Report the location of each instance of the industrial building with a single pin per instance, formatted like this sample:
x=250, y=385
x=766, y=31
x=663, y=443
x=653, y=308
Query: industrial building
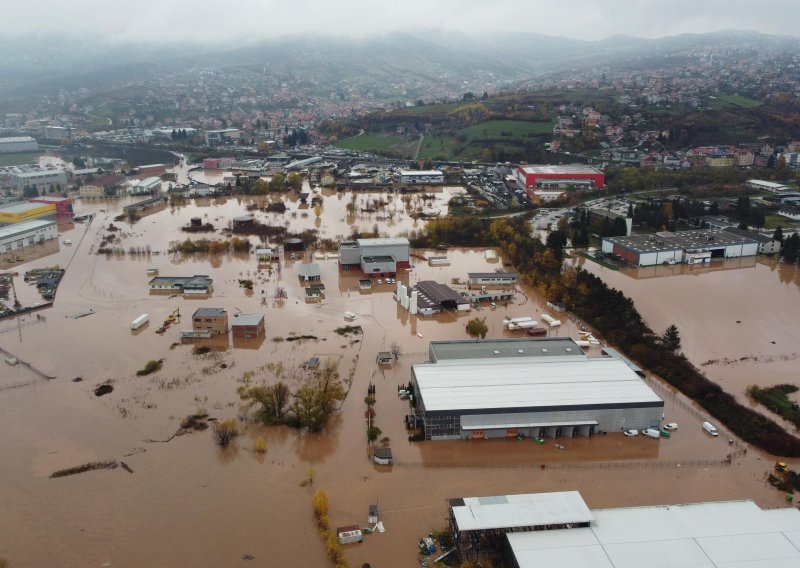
x=63, y=205
x=20, y=235
x=197, y=284
x=428, y=298
x=374, y=256
x=223, y=137
x=763, y=185
x=709, y=535
x=147, y=186
x=42, y=179
x=533, y=178
x=559, y=529
x=528, y=387
x=688, y=247
x=26, y=211
x=218, y=163
x=491, y=279
x=103, y=187
x=18, y=144
x=426, y=177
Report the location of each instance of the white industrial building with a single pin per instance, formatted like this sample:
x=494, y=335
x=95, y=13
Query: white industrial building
x=492, y=278
x=421, y=176
x=374, y=256
x=40, y=178
x=724, y=534
x=528, y=387
x=20, y=235
x=18, y=144
x=688, y=247
x=763, y=185
x=147, y=186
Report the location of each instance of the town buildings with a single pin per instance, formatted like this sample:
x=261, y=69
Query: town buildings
x=536, y=180
x=421, y=177
x=213, y=320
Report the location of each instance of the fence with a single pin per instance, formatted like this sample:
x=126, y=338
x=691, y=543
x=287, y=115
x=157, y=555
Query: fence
x=589, y=465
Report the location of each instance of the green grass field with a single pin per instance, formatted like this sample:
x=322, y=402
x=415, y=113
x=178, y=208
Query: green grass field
x=738, y=100
x=467, y=143
x=506, y=129
x=18, y=159
x=379, y=143
x=773, y=221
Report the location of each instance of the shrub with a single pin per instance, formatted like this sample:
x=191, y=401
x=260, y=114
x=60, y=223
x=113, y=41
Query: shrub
x=225, y=431
x=150, y=367
x=260, y=445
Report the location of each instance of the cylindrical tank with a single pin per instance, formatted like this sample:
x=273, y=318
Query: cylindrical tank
x=413, y=303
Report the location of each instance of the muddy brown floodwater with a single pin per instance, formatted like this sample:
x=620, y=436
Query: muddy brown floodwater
x=187, y=502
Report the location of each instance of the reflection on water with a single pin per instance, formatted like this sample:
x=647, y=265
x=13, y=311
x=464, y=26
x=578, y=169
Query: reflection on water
x=660, y=270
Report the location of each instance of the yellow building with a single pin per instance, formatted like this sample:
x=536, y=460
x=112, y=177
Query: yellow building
x=18, y=212
x=92, y=191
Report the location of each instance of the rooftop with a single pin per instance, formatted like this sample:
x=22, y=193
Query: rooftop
x=147, y=182
x=384, y=241
x=22, y=207
x=438, y=293
x=309, y=270
x=494, y=348
x=379, y=258
x=567, y=169
x=23, y=227
x=208, y=312
x=248, y=319
x=492, y=274
x=11, y=139
x=699, y=535
x=421, y=173
x=684, y=240
x=531, y=382
x=520, y=511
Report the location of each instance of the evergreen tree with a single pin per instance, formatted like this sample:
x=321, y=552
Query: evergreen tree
x=671, y=338
x=778, y=234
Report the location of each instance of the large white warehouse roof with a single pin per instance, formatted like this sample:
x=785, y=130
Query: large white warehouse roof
x=484, y=384
x=734, y=534
x=527, y=510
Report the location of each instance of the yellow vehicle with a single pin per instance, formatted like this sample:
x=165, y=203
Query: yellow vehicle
x=781, y=467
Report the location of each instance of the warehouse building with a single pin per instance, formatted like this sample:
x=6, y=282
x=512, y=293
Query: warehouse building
x=688, y=247
x=421, y=177
x=374, y=256
x=763, y=185
x=477, y=279
x=63, y=205
x=528, y=387
x=41, y=179
x=197, y=284
x=708, y=535
x=18, y=144
x=27, y=233
x=579, y=176
x=223, y=137
x=26, y=211
x=147, y=186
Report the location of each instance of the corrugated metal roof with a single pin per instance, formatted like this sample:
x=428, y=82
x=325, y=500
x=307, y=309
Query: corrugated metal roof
x=528, y=383
x=248, y=319
x=527, y=510
x=516, y=347
x=700, y=535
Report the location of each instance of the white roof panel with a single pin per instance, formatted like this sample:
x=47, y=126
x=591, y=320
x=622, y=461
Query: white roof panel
x=515, y=420
x=578, y=557
x=529, y=383
x=682, y=553
x=748, y=547
x=534, y=509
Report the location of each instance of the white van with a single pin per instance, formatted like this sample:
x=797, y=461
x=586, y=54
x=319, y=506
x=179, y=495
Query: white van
x=710, y=428
x=652, y=433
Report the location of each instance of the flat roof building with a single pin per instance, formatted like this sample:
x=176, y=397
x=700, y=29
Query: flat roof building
x=763, y=185
x=374, y=256
x=20, y=235
x=10, y=145
x=688, y=247
x=248, y=326
x=492, y=278
x=695, y=535
x=214, y=320
x=25, y=211
x=547, y=388
x=421, y=176
x=533, y=177
x=147, y=186
x=197, y=284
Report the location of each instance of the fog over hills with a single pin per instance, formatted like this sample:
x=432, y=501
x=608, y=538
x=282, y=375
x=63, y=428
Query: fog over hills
x=426, y=56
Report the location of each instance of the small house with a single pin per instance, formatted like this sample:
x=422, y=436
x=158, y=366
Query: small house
x=349, y=534
x=294, y=245
x=214, y=320
x=266, y=255
x=382, y=456
x=248, y=326
x=243, y=223
x=309, y=272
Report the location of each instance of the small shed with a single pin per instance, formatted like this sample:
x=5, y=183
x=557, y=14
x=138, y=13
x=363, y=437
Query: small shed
x=365, y=284
x=309, y=272
x=266, y=255
x=243, y=222
x=313, y=363
x=349, y=534
x=382, y=456
x=294, y=245
x=385, y=358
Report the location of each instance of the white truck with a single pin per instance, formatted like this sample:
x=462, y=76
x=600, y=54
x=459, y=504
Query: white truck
x=140, y=321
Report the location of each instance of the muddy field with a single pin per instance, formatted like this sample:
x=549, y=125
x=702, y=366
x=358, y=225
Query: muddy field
x=187, y=502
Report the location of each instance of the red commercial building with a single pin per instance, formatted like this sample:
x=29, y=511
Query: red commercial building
x=63, y=204
x=531, y=178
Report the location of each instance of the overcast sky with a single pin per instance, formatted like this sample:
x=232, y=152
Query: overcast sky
x=209, y=20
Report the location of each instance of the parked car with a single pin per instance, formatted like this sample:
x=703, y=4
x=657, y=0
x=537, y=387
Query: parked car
x=710, y=428
x=631, y=432
x=652, y=433
x=671, y=426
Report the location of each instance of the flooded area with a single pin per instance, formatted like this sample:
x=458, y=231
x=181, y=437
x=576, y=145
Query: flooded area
x=188, y=502
x=737, y=319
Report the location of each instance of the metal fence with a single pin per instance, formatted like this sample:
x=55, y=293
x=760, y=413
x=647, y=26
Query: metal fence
x=589, y=465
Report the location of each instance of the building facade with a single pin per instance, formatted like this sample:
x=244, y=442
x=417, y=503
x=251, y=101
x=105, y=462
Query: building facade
x=25, y=211
x=375, y=256
x=16, y=144
x=27, y=233
x=214, y=320
x=421, y=177
x=528, y=387
x=147, y=186
x=544, y=177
